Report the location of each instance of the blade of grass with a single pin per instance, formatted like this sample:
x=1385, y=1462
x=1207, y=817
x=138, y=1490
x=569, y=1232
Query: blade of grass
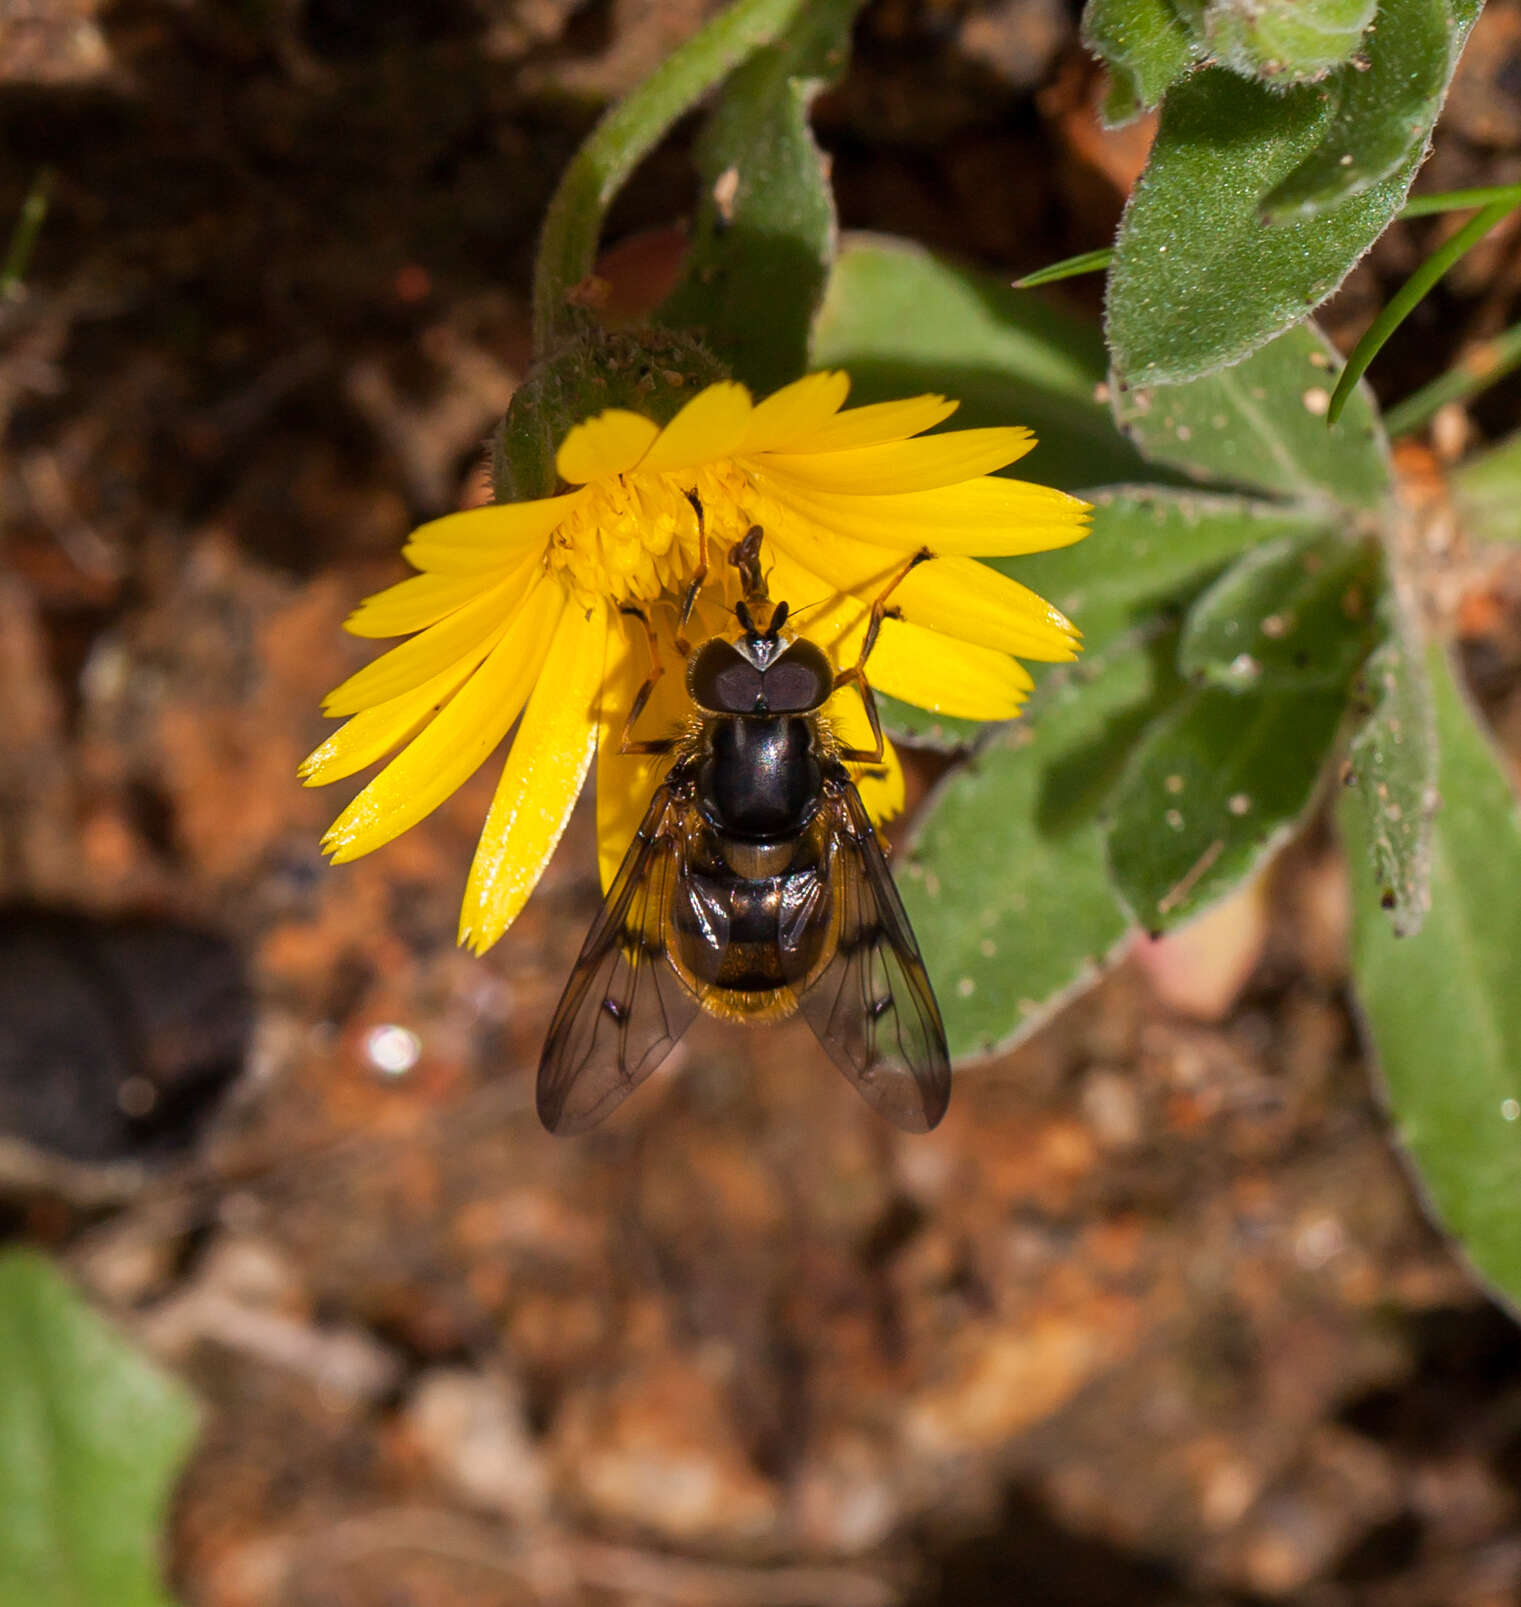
x=1478, y=369
x=1418, y=206
x=1410, y=295
x=1069, y=268
x=1425, y=206
x=23, y=241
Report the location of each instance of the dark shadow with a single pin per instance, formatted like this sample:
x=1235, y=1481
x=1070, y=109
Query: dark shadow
x=117, y=1037
x=1032, y=1558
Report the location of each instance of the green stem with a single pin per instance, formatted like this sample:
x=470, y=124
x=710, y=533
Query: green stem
x=1483, y=366
x=568, y=245
x=18, y=254
x=1409, y=294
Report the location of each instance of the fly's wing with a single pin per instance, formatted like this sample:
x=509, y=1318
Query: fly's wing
x=624, y=1007
x=872, y=1006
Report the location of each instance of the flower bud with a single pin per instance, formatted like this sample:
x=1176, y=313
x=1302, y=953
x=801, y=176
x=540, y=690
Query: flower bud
x=650, y=371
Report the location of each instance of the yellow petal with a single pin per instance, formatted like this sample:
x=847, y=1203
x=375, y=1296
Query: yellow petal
x=968, y=600
x=710, y=427
x=484, y=538
x=372, y=734
x=958, y=596
x=922, y=464
x=607, y=445
x=881, y=786
x=881, y=783
x=818, y=609
x=434, y=649
x=881, y=421
x=458, y=740
x=413, y=605
x=548, y=763
x=788, y=419
x=627, y=782
x=989, y=518
x=938, y=673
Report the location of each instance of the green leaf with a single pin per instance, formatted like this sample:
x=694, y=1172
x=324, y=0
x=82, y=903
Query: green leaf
x=1293, y=614
x=1263, y=424
x=1384, y=110
x=1283, y=41
x=1442, y=1009
x=1213, y=788
x=1198, y=281
x=91, y=1437
x=1392, y=769
x=1145, y=46
x=765, y=231
x=1005, y=880
x=1151, y=548
x=903, y=321
x=1487, y=493
x=919, y=728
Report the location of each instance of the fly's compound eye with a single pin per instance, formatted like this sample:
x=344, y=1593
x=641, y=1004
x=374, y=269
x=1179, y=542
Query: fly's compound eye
x=800, y=680
x=722, y=680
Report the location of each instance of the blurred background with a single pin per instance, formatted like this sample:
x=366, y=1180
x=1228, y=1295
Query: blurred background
x=1153, y=1318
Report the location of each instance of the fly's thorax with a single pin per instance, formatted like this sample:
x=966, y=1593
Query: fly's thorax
x=760, y=776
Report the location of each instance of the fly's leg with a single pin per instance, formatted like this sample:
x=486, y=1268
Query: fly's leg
x=649, y=745
x=699, y=575
x=856, y=675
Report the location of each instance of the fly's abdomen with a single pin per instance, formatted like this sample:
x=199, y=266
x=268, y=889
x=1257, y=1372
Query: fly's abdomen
x=744, y=944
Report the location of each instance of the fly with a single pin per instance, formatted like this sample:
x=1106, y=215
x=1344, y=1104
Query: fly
x=755, y=888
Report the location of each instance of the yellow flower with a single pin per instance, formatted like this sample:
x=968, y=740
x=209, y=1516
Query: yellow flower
x=516, y=609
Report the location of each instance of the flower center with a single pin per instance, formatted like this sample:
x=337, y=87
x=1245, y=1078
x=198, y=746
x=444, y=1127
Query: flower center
x=635, y=536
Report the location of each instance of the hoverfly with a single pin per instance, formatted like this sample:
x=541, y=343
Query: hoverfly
x=755, y=887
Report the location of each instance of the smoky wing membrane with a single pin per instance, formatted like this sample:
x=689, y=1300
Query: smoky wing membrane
x=872, y=1006
x=624, y=1007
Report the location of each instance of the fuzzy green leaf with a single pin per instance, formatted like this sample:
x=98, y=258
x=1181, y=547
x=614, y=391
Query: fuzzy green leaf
x=1442, y=1009
x=1005, y=881
x=1487, y=493
x=765, y=231
x=1262, y=424
x=1146, y=48
x=1393, y=769
x=1198, y=281
x=1293, y=614
x=1214, y=788
x=1282, y=41
x=902, y=321
x=90, y=1438
x=1150, y=550
x=1384, y=111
